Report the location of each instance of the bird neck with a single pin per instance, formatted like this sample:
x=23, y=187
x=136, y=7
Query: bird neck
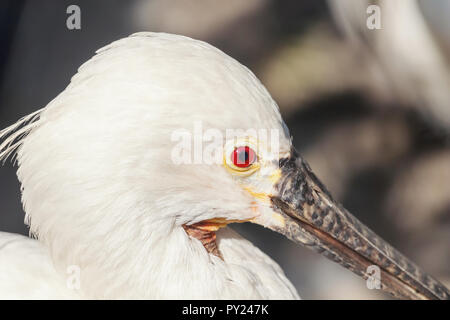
x=136, y=263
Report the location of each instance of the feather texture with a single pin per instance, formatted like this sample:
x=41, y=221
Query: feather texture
x=13, y=135
x=100, y=190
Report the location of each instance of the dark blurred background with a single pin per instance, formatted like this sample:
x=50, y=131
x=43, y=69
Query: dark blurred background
x=369, y=109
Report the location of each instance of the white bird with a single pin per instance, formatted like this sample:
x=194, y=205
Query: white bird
x=113, y=212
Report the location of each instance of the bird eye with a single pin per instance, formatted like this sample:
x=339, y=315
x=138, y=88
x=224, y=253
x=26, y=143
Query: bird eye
x=243, y=157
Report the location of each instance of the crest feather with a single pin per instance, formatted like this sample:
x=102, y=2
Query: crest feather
x=13, y=136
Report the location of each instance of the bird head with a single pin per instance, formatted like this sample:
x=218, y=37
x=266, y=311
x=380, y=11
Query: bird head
x=162, y=135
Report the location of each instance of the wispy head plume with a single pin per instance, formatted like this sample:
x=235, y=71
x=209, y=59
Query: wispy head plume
x=12, y=137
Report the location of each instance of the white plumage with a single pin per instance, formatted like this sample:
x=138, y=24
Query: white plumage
x=100, y=190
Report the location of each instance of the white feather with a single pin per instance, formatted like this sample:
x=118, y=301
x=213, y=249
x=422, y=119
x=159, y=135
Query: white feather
x=12, y=136
x=99, y=188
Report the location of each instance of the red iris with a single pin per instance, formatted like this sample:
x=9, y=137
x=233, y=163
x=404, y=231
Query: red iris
x=243, y=157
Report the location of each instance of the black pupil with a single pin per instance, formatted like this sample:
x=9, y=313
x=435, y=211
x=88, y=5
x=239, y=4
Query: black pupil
x=243, y=157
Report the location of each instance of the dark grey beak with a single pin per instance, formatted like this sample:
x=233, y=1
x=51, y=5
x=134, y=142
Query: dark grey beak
x=315, y=220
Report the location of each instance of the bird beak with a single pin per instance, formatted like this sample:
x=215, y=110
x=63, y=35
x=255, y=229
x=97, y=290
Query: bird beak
x=312, y=218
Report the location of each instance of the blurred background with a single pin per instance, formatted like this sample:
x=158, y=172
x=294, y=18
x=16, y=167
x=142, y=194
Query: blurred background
x=369, y=108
